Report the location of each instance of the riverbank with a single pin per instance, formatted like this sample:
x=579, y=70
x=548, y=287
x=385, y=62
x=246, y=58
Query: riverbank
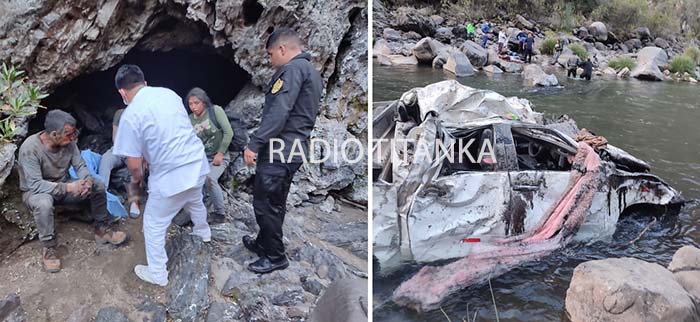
x=405, y=35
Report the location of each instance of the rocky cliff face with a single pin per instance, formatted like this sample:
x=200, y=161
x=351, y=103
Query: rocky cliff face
x=57, y=41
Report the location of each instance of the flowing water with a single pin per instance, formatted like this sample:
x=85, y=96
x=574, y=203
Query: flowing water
x=655, y=121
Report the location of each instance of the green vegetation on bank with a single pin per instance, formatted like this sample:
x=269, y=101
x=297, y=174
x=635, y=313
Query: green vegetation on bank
x=548, y=46
x=579, y=51
x=18, y=99
x=619, y=63
x=681, y=64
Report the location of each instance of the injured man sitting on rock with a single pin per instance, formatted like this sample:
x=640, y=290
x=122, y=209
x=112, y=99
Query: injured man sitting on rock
x=44, y=161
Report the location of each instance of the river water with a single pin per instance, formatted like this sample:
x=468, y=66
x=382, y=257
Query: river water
x=655, y=121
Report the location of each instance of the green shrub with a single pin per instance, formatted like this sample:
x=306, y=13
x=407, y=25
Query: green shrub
x=579, y=51
x=548, y=46
x=619, y=63
x=693, y=53
x=18, y=99
x=682, y=64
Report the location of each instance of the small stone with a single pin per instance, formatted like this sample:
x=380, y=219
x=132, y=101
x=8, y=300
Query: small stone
x=322, y=271
x=111, y=314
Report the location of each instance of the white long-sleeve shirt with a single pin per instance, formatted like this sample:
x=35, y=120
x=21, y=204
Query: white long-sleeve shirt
x=155, y=126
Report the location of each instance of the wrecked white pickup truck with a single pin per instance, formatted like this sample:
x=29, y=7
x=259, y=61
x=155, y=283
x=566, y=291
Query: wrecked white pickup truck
x=468, y=174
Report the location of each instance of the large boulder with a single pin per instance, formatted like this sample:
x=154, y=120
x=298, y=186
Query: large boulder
x=535, y=76
x=396, y=60
x=634, y=44
x=643, y=33
x=582, y=32
x=524, y=23
x=491, y=69
x=391, y=34
x=623, y=48
x=477, y=55
x=344, y=300
x=381, y=47
x=599, y=46
x=661, y=43
x=247, y=106
x=509, y=67
x=11, y=309
x=7, y=160
x=626, y=289
x=459, y=65
x=512, y=34
x=189, y=260
x=411, y=19
x=460, y=31
x=426, y=50
x=444, y=35
x=437, y=20
x=649, y=63
x=412, y=36
x=598, y=31
x=685, y=267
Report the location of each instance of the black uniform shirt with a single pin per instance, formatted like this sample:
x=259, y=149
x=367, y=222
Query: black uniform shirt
x=291, y=104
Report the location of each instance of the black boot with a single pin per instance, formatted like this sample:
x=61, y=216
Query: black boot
x=252, y=245
x=264, y=265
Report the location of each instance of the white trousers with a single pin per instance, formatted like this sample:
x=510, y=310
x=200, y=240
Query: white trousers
x=158, y=215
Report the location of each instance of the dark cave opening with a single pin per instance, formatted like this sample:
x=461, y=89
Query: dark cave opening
x=251, y=12
x=92, y=98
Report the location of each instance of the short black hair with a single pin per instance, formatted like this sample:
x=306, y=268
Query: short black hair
x=56, y=120
x=128, y=76
x=283, y=34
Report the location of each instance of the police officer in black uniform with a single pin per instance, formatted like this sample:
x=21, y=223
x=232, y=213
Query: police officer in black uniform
x=291, y=104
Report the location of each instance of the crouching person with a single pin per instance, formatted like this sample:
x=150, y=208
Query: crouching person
x=44, y=160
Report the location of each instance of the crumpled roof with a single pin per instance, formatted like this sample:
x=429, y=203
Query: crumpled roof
x=455, y=104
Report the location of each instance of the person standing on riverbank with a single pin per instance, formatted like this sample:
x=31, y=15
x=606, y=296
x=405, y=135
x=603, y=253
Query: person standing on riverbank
x=485, y=28
x=470, y=31
x=502, y=39
x=155, y=127
x=571, y=66
x=529, y=43
x=557, y=51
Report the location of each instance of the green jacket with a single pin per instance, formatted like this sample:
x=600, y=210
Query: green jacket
x=214, y=139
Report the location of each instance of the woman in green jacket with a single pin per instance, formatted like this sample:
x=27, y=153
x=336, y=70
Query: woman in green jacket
x=216, y=136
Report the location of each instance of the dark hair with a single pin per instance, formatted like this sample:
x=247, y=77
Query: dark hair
x=200, y=94
x=128, y=76
x=56, y=120
x=283, y=34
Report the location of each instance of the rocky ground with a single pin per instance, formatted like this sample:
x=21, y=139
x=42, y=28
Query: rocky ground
x=208, y=282
x=629, y=289
x=411, y=36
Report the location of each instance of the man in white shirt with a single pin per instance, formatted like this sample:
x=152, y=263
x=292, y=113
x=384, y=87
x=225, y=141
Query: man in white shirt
x=502, y=40
x=155, y=128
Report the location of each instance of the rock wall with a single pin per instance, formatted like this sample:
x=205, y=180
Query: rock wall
x=56, y=41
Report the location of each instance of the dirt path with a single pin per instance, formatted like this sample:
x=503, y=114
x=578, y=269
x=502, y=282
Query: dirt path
x=92, y=276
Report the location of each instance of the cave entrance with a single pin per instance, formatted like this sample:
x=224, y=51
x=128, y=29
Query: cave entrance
x=92, y=98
